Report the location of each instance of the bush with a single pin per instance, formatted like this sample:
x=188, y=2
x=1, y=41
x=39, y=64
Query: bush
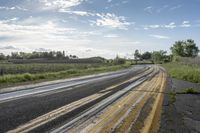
x=119, y=61
x=28, y=76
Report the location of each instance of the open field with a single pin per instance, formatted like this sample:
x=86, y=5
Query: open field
x=37, y=72
x=35, y=68
x=184, y=72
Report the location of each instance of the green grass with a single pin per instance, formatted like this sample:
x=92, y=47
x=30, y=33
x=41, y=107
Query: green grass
x=183, y=72
x=11, y=79
x=42, y=68
x=188, y=91
x=172, y=96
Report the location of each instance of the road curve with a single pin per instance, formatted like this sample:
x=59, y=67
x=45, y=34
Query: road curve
x=62, y=106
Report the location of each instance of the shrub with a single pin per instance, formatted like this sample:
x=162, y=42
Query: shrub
x=28, y=76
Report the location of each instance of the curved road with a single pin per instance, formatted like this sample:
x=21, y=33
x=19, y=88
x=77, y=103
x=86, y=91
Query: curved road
x=62, y=106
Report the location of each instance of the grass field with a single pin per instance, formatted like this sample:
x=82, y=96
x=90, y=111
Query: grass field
x=51, y=72
x=184, y=72
x=42, y=68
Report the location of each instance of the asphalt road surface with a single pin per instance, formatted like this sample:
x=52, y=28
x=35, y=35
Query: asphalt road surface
x=97, y=103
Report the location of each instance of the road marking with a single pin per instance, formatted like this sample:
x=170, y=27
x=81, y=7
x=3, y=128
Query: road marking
x=151, y=123
x=65, y=109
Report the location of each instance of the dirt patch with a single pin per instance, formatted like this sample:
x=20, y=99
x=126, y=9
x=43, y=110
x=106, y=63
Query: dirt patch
x=183, y=114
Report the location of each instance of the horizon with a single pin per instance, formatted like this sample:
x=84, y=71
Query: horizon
x=89, y=28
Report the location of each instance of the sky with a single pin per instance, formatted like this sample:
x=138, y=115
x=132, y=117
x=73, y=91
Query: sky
x=104, y=28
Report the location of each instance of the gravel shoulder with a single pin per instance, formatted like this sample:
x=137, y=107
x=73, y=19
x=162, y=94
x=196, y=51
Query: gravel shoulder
x=180, y=112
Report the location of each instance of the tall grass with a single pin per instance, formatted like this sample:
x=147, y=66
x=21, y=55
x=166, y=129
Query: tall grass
x=188, y=61
x=184, y=72
x=42, y=68
x=75, y=71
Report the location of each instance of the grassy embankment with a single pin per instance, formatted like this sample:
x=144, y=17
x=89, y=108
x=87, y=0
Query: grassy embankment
x=25, y=73
x=183, y=71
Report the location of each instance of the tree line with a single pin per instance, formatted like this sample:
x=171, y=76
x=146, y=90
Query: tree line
x=186, y=48
x=38, y=55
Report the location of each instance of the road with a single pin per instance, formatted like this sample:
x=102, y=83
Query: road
x=122, y=101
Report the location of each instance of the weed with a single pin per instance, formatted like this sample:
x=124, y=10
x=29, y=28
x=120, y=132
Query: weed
x=188, y=91
x=172, y=96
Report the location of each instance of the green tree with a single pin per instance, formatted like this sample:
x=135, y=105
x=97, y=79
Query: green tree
x=2, y=56
x=118, y=60
x=159, y=56
x=191, y=50
x=137, y=56
x=146, y=56
x=185, y=48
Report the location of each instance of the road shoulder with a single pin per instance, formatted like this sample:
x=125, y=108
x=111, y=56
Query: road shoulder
x=180, y=112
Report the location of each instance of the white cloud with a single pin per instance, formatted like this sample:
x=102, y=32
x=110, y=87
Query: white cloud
x=185, y=24
x=111, y=20
x=159, y=36
x=171, y=25
x=148, y=9
x=175, y=7
x=8, y=47
x=136, y=42
x=111, y=36
x=162, y=8
x=9, y=20
x=154, y=26
x=47, y=34
x=61, y=4
x=13, y=8
x=151, y=9
x=125, y=1
x=80, y=13
x=42, y=49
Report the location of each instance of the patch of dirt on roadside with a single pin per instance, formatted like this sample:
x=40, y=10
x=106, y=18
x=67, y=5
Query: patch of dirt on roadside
x=183, y=114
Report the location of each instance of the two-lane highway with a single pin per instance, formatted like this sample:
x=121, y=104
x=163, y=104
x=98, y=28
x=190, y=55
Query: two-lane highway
x=60, y=106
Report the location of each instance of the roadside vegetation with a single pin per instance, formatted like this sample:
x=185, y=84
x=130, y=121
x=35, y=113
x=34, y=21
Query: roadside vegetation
x=172, y=97
x=35, y=68
x=26, y=77
x=29, y=70
x=185, y=63
x=189, y=91
x=173, y=94
x=183, y=72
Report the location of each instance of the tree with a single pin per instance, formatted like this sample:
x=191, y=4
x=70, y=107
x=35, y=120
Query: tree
x=191, y=50
x=59, y=55
x=146, y=56
x=118, y=60
x=2, y=56
x=137, y=55
x=159, y=56
x=15, y=55
x=185, y=48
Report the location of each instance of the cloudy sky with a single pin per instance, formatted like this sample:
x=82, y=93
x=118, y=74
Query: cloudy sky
x=97, y=27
